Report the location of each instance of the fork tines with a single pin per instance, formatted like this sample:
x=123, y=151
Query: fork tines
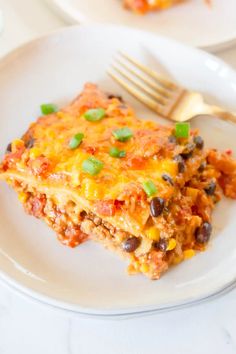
x=145, y=84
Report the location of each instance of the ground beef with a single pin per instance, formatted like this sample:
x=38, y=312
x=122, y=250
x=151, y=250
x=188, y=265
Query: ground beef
x=35, y=205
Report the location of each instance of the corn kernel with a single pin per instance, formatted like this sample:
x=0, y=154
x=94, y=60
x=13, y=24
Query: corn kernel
x=34, y=152
x=75, y=179
x=100, y=128
x=91, y=190
x=51, y=134
x=20, y=165
x=22, y=196
x=177, y=260
x=60, y=114
x=169, y=167
x=164, y=4
x=16, y=144
x=171, y=244
x=189, y=253
x=192, y=192
x=144, y=268
x=63, y=115
x=153, y=233
x=131, y=269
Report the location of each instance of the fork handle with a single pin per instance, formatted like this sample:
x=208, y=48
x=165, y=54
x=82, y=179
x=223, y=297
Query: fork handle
x=223, y=115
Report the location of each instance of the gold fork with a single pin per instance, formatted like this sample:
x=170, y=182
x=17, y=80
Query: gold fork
x=163, y=96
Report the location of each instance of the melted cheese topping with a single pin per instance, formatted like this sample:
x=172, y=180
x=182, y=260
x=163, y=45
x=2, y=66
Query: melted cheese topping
x=51, y=162
x=148, y=152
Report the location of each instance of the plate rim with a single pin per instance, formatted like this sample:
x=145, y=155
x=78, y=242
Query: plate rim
x=63, y=307
x=74, y=16
x=109, y=313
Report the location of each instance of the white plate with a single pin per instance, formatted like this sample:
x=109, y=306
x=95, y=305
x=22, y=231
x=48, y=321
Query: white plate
x=193, y=22
x=89, y=279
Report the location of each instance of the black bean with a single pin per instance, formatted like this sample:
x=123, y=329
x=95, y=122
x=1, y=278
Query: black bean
x=161, y=245
x=110, y=96
x=168, y=179
x=29, y=143
x=181, y=165
x=210, y=189
x=199, y=142
x=83, y=214
x=203, y=233
x=202, y=167
x=131, y=244
x=156, y=206
x=172, y=139
x=8, y=149
x=188, y=151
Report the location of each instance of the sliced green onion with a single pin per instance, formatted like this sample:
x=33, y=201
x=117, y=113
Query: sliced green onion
x=149, y=188
x=115, y=152
x=122, y=134
x=76, y=141
x=48, y=108
x=122, y=153
x=95, y=114
x=182, y=130
x=92, y=166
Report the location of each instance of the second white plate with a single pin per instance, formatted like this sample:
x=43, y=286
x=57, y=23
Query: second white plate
x=192, y=22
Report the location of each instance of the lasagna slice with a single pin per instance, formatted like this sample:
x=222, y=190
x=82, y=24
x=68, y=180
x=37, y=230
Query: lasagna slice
x=94, y=171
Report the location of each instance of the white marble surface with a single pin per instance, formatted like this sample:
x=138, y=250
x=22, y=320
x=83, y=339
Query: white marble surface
x=29, y=328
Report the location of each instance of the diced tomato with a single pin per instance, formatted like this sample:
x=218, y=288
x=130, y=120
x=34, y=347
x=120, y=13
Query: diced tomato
x=105, y=207
x=12, y=158
x=74, y=236
x=118, y=204
x=136, y=163
x=90, y=149
x=194, y=209
x=40, y=165
x=139, y=5
x=229, y=152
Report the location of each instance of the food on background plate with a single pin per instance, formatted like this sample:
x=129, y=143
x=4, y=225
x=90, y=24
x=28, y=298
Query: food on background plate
x=94, y=171
x=143, y=6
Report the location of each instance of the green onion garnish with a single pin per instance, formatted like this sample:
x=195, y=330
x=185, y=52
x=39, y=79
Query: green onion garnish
x=95, y=114
x=122, y=134
x=182, y=130
x=92, y=166
x=122, y=153
x=115, y=152
x=149, y=188
x=76, y=141
x=48, y=108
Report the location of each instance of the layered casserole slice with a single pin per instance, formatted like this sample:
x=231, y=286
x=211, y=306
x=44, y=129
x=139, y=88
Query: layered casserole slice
x=94, y=171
